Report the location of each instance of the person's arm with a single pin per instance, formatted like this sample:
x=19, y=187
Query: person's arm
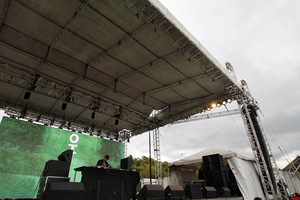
x=108, y=165
x=99, y=163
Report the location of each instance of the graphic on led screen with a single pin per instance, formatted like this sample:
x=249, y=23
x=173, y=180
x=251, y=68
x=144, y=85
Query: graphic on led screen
x=25, y=147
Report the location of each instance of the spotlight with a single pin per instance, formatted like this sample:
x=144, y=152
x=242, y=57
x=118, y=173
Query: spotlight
x=26, y=95
x=93, y=115
x=85, y=129
x=69, y=124
x=214, y=105
x=208, y=109
x=38, y=118
x=228, y=100
x=116, y=121
x=224, y=102
x=218, y=105
x=64, y=106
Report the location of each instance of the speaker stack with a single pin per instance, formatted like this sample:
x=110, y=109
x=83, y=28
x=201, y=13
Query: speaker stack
x=55, y=183
x=151, y=192
x=215, y=175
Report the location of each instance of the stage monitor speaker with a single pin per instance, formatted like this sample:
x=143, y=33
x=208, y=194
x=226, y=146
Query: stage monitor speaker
x=112, y=190
x=209, y=192
x=66, y=156
x=151, y=192
x=193, y=191
x=174, y=192
x=223, y=192
x=199, y=182
x=56, y=168
x=63, y=191
x=126, y=163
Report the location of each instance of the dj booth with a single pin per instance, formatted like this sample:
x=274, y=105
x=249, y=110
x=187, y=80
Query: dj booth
x=103, y=180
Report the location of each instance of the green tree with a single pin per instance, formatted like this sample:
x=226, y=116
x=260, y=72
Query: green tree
x=143, y=164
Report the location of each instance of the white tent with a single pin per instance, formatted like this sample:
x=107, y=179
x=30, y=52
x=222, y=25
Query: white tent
x=244, y=169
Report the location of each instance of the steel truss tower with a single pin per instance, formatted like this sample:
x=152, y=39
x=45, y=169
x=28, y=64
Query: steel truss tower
x=268, y=170
x=157, y=158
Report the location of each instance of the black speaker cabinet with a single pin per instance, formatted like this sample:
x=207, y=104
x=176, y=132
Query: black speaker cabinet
x=47, y=179
x=112, y=190
x=151, y=192
x=209, y=192
x=63, y=191
x=223, y=192
x=66, y=156
x=213, y=162
x=56, y=168
x=126, y=163
x=174, y=192
x=199, y=182
x=193, y=191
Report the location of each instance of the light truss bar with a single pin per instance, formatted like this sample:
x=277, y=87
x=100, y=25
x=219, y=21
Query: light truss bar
x=208, y=116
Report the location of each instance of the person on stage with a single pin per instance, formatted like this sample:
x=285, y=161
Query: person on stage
x=103, y=162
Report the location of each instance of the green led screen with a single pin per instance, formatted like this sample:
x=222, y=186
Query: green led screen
x=25, y=147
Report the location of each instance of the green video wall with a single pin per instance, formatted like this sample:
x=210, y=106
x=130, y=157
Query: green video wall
x=25, y=147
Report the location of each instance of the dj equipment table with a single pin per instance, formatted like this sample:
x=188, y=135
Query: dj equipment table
x=130, y=179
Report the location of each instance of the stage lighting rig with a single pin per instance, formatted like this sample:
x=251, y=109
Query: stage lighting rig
x=31, y=87
x=67, y=98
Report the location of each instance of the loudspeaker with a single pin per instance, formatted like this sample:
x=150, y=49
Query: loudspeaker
x=66, y=156
x=223, y=192
x=193, y=191
x=209, y=192
x=112, y=190
x=47, y=179
x=63, y=190
x=151, y=192
x=126, y=163
x=174, y=192
x=213, y=162
x=199, y=182
x=56, y=168
x=216, y=178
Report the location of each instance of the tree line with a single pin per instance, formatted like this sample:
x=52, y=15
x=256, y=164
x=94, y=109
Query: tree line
x=143, y=164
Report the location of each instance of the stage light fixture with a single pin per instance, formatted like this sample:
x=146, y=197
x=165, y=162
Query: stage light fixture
x=224, y=102
x=63, y=106
x=218, y=104
x=208, y=109
x=38, y=118
x=214, y=105
x=27, y=95
x=228, y=100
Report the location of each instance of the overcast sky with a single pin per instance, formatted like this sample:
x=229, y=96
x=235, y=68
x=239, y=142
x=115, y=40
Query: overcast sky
x=261, y=39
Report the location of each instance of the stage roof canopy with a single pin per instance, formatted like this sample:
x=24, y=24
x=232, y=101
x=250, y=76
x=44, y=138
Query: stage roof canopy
x=130, y=62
